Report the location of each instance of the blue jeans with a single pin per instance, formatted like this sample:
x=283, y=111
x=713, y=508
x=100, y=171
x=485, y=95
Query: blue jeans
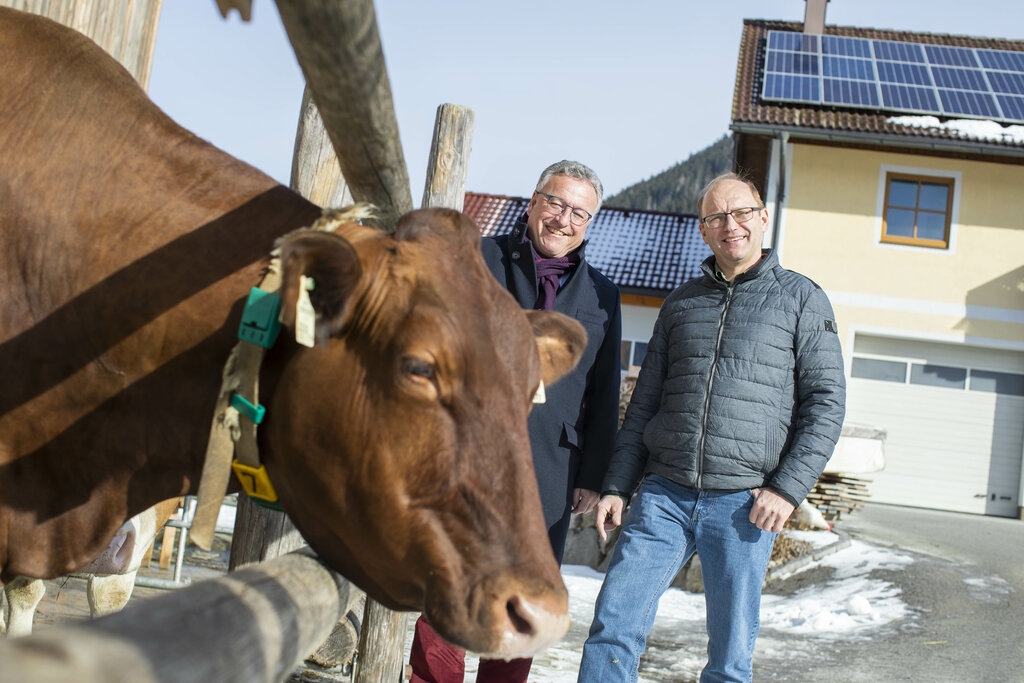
x=666, y=524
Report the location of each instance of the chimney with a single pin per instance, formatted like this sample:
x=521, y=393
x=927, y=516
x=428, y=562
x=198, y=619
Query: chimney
x=814, y=16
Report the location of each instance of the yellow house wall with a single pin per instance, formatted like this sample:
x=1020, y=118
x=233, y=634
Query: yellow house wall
x=832, y=224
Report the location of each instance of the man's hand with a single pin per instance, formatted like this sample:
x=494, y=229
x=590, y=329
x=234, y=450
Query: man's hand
x=609, y=514
x=584, y=500
x=770, y=510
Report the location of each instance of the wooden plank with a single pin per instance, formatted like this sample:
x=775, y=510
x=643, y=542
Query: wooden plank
x=338, y=47
x=245, y=627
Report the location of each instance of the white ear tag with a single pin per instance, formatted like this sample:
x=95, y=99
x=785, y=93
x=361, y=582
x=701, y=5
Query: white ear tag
x=305, y=316
x=539, y=397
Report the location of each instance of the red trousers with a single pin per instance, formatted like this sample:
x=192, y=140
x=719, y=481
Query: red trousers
x=435, y=661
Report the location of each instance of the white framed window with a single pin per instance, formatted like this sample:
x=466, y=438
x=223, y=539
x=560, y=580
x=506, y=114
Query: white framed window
x=918, y=208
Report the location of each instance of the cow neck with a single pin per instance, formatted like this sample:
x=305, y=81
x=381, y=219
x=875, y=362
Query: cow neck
x=231, y=437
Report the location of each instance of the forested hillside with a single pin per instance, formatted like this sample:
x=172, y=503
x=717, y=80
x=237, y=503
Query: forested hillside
x=676, y=189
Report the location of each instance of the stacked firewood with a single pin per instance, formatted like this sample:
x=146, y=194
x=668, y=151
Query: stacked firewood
x=837, y=494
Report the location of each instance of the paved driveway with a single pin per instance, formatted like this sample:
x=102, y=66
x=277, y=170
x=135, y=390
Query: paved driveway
x=963, y=585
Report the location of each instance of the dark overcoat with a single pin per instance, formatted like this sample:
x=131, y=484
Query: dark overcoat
x=573, y=432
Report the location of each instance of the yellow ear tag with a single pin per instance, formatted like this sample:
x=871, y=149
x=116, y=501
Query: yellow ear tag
x=539, y=397
x=255, y=481
x=305, y=316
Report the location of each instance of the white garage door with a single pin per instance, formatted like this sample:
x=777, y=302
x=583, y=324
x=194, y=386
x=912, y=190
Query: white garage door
x=955, y=421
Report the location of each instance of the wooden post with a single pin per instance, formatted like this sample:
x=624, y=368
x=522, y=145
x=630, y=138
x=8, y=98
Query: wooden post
x=316, y=172
x=260, y=533
x=381, y=645
x=339, y=50
x=126, y=29
x=382, y=642
x=245, y=627
x=449, y=157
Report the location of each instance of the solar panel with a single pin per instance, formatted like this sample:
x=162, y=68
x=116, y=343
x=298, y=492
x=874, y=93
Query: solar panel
x=849, y=92
x=1012, y=106
x=968, y=103
x=959, y=79
x=1006, y=82
x=791, y=88
x=847, y=67
x=910, y=74
x=950, y=56
x=909, y=98
x=1000, y=59
x=846, y=47
x=944, y=80
x=898, y=52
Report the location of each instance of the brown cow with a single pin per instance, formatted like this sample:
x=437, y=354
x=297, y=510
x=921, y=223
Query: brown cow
x=398, y=444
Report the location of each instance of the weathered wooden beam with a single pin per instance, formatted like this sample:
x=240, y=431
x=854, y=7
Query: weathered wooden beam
x=381, y=645
x=260, y=534
x=382, y=642
x=338, y=47
x=448, y=165
x=244, y=627
x=316, y=172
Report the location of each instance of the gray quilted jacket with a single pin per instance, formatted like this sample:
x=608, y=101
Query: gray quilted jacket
x=742, y=387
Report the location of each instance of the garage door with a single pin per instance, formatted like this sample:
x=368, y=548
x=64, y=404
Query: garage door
x=955, y=421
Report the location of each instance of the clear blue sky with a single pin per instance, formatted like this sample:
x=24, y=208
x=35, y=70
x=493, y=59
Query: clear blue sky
x=629, y=88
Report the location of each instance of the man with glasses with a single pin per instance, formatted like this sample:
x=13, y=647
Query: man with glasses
x=737, y=408
x=572, y=427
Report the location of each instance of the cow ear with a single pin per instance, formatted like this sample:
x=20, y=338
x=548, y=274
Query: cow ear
x=560, y=340
x=333, y=265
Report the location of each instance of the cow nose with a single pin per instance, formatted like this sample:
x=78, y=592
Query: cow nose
x=533, y=623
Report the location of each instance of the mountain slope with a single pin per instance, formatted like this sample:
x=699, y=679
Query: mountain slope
x=676, y=188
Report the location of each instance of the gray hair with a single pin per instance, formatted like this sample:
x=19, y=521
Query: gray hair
x=574, y=169
x=721, y=178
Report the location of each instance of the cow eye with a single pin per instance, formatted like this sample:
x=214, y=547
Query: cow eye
x=418, y=367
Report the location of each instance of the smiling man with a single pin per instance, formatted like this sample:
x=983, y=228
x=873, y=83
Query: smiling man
x=572, y=428
x=737, y=408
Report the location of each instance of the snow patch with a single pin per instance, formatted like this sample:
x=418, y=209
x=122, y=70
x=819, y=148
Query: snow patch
x=966, y=128
x=990, y=590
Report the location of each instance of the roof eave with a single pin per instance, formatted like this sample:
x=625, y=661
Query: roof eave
x=886, y=140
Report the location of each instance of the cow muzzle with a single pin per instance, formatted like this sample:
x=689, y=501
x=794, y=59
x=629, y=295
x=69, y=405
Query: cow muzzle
x=514, y=619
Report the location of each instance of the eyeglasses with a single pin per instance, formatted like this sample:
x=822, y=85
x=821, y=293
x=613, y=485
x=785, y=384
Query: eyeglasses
x=718, y=220
x=557, y=206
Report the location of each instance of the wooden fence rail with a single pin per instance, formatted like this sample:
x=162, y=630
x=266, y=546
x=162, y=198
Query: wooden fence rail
x=248, y=626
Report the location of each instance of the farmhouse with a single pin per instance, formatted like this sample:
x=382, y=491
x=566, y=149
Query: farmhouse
x=892, y=164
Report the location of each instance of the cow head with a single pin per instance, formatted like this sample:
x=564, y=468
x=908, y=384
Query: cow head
x=404, y=428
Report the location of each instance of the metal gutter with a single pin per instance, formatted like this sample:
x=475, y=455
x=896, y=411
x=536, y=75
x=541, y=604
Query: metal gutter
x=781, y=189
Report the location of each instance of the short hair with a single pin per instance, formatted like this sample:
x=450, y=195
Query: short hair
x=574, y=169
x=723, y=177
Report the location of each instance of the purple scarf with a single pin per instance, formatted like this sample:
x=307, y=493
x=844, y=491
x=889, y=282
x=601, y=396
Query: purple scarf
x=548, y=272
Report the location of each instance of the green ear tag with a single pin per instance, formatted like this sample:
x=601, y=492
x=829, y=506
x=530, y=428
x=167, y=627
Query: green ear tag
x=260, y=323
